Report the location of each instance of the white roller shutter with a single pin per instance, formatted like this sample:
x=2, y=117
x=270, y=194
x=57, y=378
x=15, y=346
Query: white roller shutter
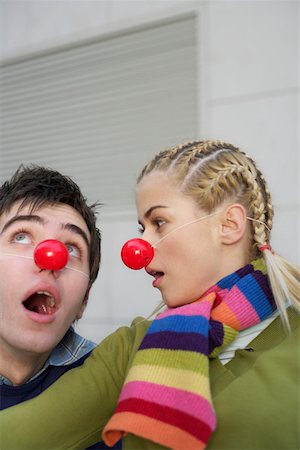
x=98, y=110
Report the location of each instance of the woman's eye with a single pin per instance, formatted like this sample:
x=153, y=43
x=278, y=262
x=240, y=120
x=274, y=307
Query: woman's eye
x=141, y=229
x=159, y=222
x=73, y=250
x=22, y=238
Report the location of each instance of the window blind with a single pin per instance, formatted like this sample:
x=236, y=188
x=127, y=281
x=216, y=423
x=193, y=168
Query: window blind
x=97, y=110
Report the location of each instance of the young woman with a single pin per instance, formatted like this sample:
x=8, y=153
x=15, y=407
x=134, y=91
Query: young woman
x=219, y=367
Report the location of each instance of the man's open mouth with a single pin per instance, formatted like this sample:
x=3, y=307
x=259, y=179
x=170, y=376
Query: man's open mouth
x=41, y=302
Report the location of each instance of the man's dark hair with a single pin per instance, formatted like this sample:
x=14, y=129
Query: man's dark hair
x=38, y=186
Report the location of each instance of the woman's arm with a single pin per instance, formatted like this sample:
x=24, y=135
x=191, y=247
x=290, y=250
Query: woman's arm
x=72, y=412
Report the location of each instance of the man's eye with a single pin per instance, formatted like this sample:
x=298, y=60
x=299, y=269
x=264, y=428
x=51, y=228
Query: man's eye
x=22, y=238
x=73, y=250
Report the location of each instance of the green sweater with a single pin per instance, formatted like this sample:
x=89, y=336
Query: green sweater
x=256, y=397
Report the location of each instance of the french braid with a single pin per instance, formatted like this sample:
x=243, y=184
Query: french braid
x=214, y=172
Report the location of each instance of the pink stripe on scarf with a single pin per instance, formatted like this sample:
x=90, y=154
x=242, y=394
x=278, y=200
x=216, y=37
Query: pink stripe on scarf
x=191, y=309
x=242, y=308
x=184, y=401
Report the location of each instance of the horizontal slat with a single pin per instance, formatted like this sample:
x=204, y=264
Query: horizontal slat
x=108, y=90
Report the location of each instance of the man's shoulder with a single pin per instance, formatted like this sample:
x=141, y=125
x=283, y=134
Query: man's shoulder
x=13, y=395
x=70, y=349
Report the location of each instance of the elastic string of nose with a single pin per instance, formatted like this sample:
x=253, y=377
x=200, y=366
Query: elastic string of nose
x=138, y=253
x=182, y=226
x=51, y=255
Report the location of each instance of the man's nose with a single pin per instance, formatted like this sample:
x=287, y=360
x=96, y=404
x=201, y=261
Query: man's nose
x=51, y=255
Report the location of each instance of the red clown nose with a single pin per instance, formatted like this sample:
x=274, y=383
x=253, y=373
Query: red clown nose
x=137, y=253
x=51, y=255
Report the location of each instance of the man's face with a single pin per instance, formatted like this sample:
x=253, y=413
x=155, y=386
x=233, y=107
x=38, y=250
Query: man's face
x=38, y=306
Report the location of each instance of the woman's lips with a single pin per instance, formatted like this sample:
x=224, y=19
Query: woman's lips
x=158, y=276
x=158, y=279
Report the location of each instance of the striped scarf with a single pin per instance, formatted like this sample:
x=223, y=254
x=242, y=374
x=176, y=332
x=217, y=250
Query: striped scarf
x=166, y=396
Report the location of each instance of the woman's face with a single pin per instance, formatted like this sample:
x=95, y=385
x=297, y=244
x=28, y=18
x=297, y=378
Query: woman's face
x=188, y=261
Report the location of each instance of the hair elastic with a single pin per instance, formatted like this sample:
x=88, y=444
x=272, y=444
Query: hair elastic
x=262, y=248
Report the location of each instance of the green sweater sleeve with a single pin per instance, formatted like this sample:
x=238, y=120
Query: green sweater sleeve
x=256, y=397
x=73, y=411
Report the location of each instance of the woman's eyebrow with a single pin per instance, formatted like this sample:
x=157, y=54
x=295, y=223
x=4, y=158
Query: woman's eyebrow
x=77, y=230
x=23, y=218
x=150, y=210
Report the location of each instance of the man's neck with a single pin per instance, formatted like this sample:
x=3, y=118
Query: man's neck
x=18, y=369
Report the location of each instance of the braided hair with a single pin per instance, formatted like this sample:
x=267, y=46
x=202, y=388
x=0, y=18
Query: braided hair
x=214, y=172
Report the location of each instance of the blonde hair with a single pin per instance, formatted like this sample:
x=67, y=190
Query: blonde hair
x=214, y=172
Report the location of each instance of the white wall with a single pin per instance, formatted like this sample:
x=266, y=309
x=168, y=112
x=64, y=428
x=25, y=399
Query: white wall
x=249, y=93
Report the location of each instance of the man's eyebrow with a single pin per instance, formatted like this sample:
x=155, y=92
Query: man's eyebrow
x=37, y=219
x=22, y=218
x=150, y=210
x=77, y=230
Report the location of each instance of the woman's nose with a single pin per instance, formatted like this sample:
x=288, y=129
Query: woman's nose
x=147, y=235
x=137, y=253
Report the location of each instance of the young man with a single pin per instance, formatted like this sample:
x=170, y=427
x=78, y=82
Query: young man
x=39, y=305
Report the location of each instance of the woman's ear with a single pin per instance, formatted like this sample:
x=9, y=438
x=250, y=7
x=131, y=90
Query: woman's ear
x=233, y=224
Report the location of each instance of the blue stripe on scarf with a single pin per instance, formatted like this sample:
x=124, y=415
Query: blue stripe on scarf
x=182, y=324
x=263, y=281
x=229, y=281
x=256, y=296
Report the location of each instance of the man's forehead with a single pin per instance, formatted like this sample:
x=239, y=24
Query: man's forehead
x=11, y=211
x=20, y=207
x=57, y=212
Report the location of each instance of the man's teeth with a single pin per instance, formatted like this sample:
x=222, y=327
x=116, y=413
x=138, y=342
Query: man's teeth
x=50, y=300
x=45, y=293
